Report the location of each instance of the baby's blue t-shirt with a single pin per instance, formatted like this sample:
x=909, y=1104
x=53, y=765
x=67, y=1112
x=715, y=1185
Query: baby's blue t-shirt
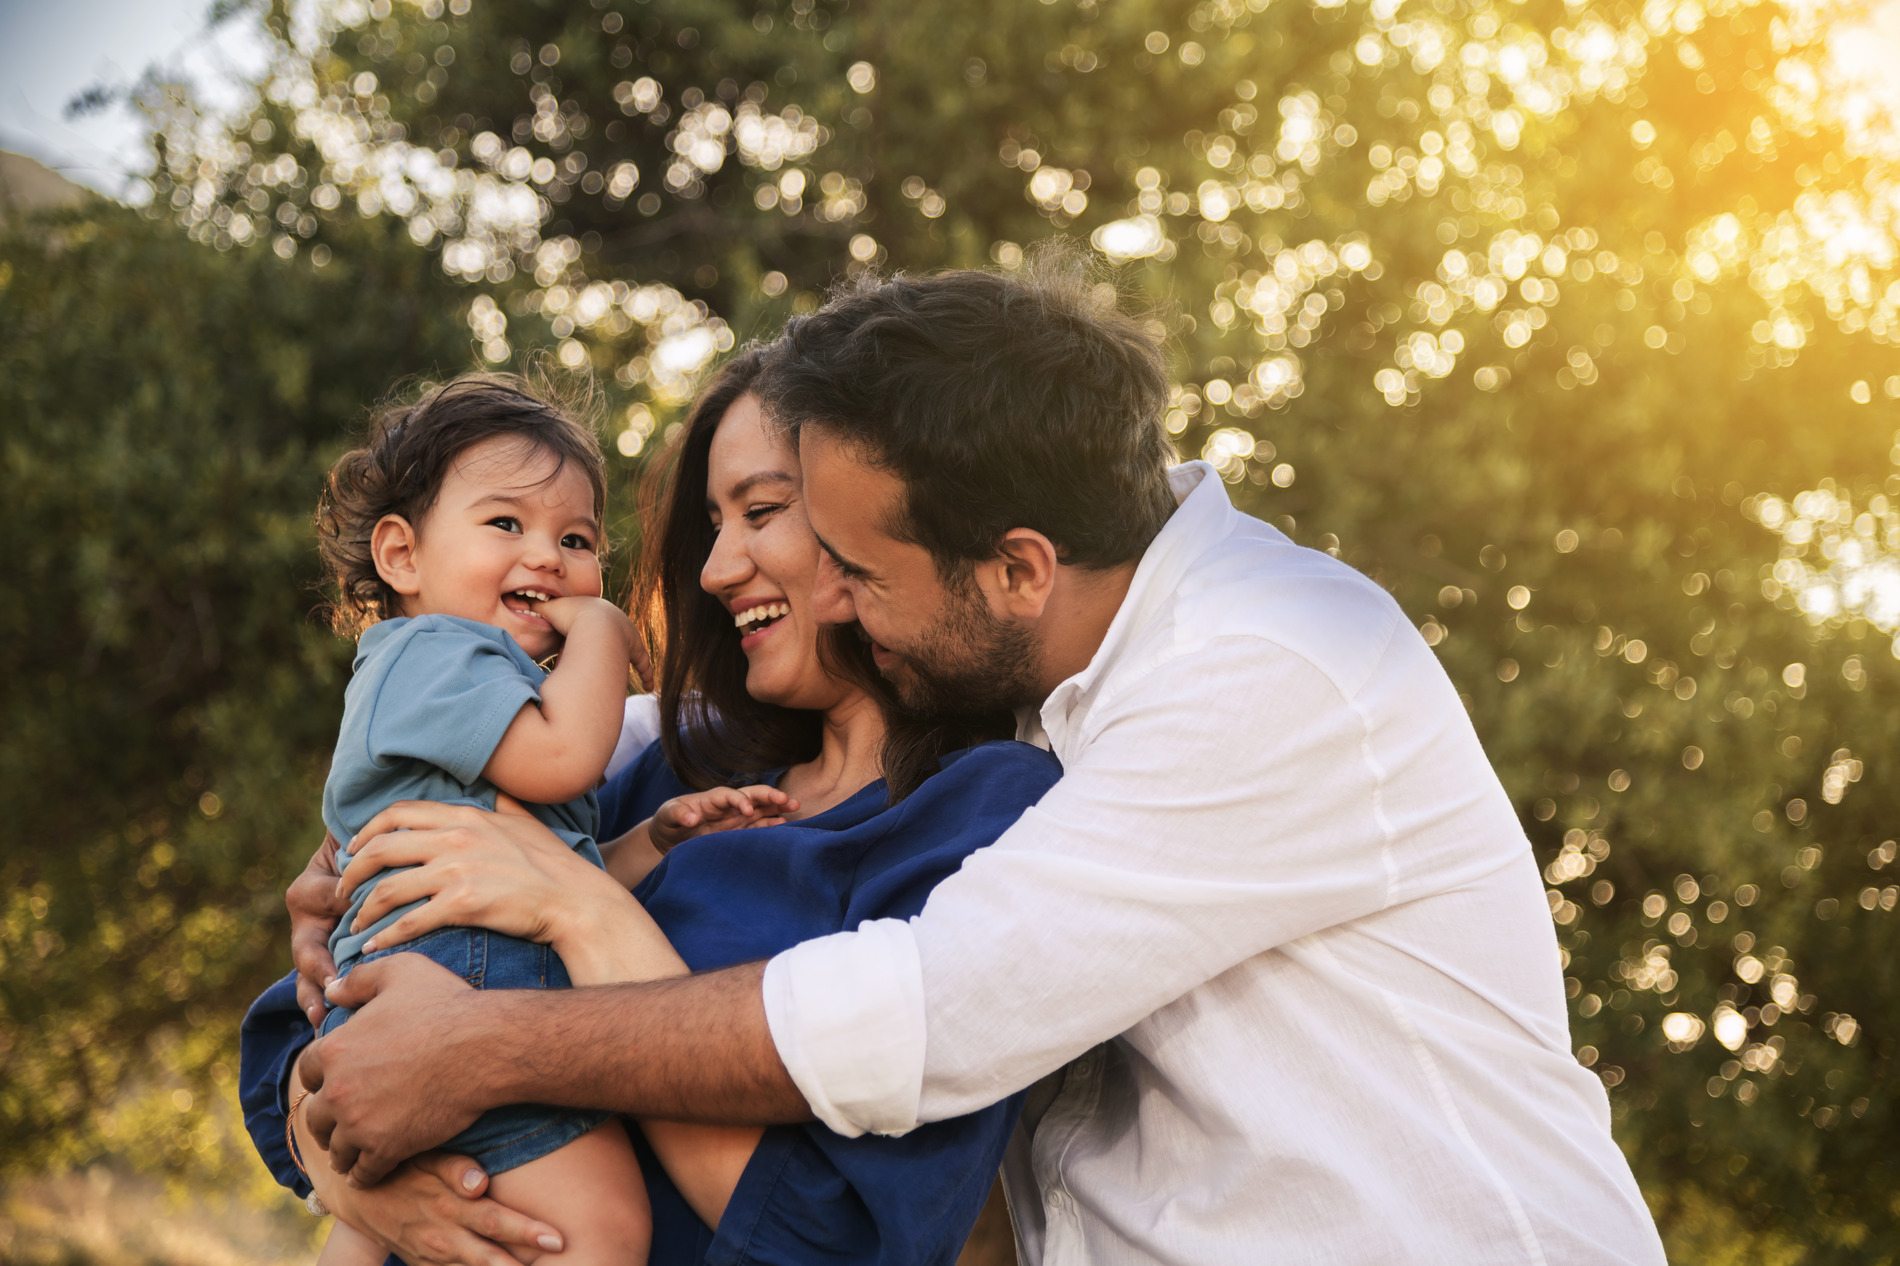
x=427, y=704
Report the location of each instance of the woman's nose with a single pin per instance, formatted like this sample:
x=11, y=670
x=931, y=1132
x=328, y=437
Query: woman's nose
x=728, y=566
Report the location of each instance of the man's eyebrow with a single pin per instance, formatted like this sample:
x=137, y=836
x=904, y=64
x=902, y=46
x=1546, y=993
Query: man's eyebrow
x=849, y=568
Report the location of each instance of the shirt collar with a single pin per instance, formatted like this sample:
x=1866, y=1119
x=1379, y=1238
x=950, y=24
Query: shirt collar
x=1201, y=518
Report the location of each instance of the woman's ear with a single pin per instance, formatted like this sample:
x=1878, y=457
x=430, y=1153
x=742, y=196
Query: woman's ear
x=392, y=547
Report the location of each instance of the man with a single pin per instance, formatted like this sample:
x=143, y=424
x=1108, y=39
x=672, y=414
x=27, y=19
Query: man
x=1273, y=954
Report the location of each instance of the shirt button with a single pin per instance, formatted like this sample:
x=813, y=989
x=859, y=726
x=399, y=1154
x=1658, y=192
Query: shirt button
x=1058, y=1202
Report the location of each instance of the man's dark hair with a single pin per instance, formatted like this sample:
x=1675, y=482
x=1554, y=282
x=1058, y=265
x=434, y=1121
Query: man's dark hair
x=1000, y=400
x=408, y=453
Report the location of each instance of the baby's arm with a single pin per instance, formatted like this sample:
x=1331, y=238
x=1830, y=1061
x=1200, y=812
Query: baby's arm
x=558, y=751
x=634, y=854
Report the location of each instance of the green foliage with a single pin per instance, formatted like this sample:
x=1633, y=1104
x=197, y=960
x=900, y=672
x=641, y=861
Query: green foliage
x=1525, y=309
x=169, y=703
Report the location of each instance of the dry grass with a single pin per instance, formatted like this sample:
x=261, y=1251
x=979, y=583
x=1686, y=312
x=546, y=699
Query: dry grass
x=102, y=1218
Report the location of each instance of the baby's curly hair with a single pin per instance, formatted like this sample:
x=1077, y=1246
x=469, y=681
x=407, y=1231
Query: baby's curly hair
x=406, y=456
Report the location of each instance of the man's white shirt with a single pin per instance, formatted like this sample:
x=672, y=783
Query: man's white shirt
x=1274, y=952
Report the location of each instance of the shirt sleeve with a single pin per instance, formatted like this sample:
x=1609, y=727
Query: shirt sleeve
x=1224, y=804
x=274, y=1033
x=447, y=697
x=639, y=726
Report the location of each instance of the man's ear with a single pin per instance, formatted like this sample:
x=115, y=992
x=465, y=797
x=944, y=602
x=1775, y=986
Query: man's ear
x=1022, y=575
x=392, y=547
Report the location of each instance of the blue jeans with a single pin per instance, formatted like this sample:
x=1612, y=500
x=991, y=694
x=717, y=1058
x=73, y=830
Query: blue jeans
x=503, y=1138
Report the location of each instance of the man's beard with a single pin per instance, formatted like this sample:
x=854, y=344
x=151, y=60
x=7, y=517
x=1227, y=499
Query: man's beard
x=972, y=663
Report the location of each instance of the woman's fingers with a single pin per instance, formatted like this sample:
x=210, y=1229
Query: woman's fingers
x=314, y=910
x=418, y=815
x=459, y=1172
x=398, y=889
x=310, y=1001
x=386, y=852
x=420, y=921
x=486, y=1218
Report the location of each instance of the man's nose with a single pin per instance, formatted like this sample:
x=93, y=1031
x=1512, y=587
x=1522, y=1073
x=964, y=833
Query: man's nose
x=830, y=596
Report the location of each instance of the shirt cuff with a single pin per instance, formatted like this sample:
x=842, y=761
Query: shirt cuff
x=847, y=1015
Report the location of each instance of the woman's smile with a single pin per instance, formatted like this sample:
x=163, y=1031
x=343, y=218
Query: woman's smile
x=758, y=621
x=764, y=559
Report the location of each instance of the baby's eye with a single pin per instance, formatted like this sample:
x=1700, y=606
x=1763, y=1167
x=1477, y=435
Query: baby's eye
x=506, y=522
x=574, y=540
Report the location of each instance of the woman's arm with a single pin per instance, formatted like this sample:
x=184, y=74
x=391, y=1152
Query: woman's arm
x=432, y=1211
x=435, y=1202
x=510, y=874
x=601, y=947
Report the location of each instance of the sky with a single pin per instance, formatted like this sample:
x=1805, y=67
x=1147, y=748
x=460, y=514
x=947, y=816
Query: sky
x=52, y=50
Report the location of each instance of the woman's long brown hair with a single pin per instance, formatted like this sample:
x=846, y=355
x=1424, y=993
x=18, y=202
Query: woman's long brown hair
x=712, y=732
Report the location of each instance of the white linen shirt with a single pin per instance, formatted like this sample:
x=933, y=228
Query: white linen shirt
x=1280, y=929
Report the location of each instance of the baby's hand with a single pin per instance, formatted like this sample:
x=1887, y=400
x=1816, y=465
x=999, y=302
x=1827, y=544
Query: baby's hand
x=721, y=809
x=566, y=614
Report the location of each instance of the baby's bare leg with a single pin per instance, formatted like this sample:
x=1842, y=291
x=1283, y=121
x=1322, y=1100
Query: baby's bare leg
x=348, y=1246
x=593, y=1192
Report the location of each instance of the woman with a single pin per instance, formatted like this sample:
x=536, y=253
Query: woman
x=751, y=688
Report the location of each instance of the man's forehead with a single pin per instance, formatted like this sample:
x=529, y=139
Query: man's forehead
x=842, y=482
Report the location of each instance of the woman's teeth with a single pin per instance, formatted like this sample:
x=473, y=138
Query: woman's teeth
x=761, y=615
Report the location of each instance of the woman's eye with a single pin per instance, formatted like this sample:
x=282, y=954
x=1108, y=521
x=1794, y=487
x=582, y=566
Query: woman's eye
x=574, y=540
x=506, y=523
x=756, y=513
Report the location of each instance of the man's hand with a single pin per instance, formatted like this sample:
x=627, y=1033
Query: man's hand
x=393, y=1081
x=315, y=909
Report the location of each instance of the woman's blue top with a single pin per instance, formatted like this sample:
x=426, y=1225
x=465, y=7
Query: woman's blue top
x=808, y=1195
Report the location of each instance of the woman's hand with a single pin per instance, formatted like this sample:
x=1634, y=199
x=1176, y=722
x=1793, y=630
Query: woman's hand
x=501, y=871
x=314, y=911
x=431, y=1211
x=426, y=1215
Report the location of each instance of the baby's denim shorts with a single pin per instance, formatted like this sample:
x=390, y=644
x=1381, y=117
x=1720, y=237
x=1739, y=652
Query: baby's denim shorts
x=503, y=1138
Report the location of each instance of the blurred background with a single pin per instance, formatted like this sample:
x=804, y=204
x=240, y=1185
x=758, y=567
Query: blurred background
x=1573, y=324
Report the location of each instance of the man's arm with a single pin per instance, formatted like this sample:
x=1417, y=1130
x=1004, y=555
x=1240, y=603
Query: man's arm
x=691, y=1049
x=1225, y=806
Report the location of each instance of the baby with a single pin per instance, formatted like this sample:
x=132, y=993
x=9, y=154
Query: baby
x=464, y=542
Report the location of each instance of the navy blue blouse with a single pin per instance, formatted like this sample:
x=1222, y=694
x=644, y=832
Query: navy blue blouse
x=808, y=1195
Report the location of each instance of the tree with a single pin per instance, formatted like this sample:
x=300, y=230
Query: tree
x=169, y=704
x=1557, y=319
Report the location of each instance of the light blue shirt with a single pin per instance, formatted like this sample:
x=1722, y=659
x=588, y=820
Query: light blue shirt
x=427, y=704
